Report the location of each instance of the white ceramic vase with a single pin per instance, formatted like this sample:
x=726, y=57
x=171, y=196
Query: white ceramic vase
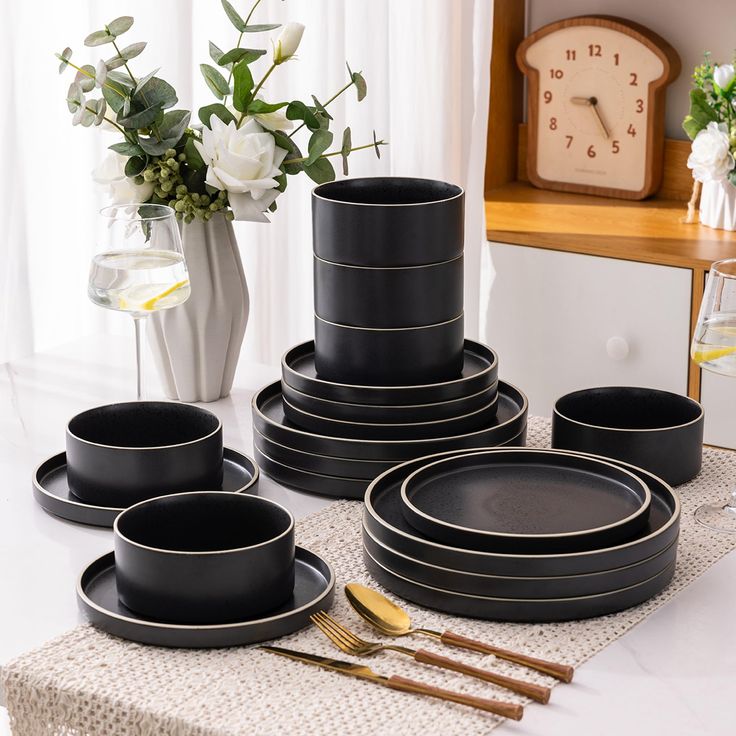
x=196, y=345
x=718, y=205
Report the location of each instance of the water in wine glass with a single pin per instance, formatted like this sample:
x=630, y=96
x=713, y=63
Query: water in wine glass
x=714, y=344
x=139, y=282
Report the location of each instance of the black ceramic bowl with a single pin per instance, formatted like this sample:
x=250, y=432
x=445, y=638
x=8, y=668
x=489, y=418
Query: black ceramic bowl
x=410, y=296
x=659, y=431
x=389, y=357
x=387, y=221
x=120, y=454
x=204, y=557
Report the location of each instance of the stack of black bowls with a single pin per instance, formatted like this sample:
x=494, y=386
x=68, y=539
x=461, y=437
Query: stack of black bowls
x=389, y=376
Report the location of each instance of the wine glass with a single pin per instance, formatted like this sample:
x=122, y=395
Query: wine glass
x=714, y=349
x=140, y=266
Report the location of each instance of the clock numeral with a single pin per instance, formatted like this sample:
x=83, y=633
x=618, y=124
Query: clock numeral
x=615, y=147
x=570, y=54
x=591, y=152
x=548, y=97
x=553, y=123
x=569, y=141
x=556, y=73
x=640, y=105
x=594, y=49
x=634, y=78
x=616, y=59
x=631, y=130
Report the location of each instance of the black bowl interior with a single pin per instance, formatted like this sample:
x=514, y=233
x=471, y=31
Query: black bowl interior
x=203, y=522
x=143, y=424
x=628, y=408
x=387, y=190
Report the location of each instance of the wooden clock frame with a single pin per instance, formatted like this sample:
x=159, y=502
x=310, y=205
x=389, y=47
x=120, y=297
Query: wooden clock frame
x=655, y=104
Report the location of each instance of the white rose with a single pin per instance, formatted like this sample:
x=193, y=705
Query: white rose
x=110, y=174
x=276, y=120
x=244, y=162
x=723, y=75
x=288, y=42
x=710, y=157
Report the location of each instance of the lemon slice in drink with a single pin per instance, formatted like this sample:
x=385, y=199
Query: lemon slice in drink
x=150, y=304
x=710, y=354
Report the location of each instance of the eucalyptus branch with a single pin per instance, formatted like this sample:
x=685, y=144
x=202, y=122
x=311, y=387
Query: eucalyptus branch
x=125, y=63
x=92, y=76
x=237, y=46
x=332, y=99
x=337, y=153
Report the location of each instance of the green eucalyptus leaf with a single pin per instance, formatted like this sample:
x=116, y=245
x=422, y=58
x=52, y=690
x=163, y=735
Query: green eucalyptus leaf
x=347, y=145
x=233, y=15
x=126, y=107
x=121, y=80
x=126, y=148
x=259, y=107
x=194, y=160
x=376, y=145
x=113, y=98
x=218, y=109
x=174, y=123
x=262, y=27
x=319, y=142
x=216, y=53
x=157, y=92
x=119, y=25
x=242, y=86
x=98, y=38
x=85, y=78
x=130, y=52
x=74, y=97
x=360, y=85
x=135, y=165
x=88, y=117
x=273, y=206
x=154, y=147
x=143, y=81
x=321, y=171
x=114, y=62
x=320, y=108
x=283, y=141
x=282, y=181
x=64, y=57
x=101, y=108
x=142, y=119
x=215, y=81
x=235, y=55
x=297, y=110
x=691, y=127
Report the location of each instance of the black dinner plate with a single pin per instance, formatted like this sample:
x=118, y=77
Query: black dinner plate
x=383, y=517
x=97, y=595
x=480, y=370
x=270, y=421
x=525, y=501
x=51, y=489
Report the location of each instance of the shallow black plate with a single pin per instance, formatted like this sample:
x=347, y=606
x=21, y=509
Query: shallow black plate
x=525, y=501
x=480, y=370
x=270, y=421
x=97, y=595
x=51, y=490
x=383, y=517
x=519, y=609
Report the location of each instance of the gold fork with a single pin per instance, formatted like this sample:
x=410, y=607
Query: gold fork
x=350, y=643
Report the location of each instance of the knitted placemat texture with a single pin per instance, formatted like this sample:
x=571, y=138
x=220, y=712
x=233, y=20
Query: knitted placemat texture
x=87, y=683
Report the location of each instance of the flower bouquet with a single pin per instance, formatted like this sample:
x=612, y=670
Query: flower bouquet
x=711, y=125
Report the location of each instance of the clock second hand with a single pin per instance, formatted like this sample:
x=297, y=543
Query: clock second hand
x=592, y=103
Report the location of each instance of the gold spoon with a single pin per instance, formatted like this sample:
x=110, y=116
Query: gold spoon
x=392, y=620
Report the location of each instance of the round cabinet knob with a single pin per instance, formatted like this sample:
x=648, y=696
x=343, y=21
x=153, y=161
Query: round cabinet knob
x=617, y=348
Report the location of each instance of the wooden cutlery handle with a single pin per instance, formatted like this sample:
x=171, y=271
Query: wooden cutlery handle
x=506, y=710
x=535, y=692
x=563, y=672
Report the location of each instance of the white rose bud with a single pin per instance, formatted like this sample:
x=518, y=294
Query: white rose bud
x=121, y=189
x=288, y=42
x=723, y=75
x=711, y=158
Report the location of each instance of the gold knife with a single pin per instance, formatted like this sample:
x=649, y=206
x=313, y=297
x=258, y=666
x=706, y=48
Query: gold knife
x=395, y=682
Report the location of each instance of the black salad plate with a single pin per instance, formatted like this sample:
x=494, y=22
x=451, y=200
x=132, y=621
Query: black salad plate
x=480, y=370
x=51, y=489
x=383, y=517
x=525, y=610
x=525, y=501
x=270, y=421
x=97, y=595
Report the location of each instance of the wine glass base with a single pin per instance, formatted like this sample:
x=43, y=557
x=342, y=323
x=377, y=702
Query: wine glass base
x=719, y=518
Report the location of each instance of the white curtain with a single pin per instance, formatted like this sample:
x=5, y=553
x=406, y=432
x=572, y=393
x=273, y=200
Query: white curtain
x=427, y=66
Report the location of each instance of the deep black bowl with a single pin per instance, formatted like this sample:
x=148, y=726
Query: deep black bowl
x=388, y=221
x=204, y=557
x=396, y=357
x=120, y=454
x=410, y=296
x=659, y=431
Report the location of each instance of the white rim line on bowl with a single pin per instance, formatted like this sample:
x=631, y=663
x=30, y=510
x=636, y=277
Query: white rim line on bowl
x=41, y=489
x=368, y=509
x=154, y=447
x=491, y=366
x=287, y=531
x=391, y=329
x=521, y=412
x=341, y=478
x=483, y=408
x=387, y=268
x=397, y=204
x=157, y=624
x=624, y=429
x=644, y=507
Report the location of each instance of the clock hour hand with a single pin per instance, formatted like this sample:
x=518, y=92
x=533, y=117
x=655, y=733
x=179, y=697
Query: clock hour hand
x=592, y=103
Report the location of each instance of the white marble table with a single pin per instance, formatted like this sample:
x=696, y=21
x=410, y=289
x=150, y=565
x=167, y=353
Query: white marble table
x=673, y=674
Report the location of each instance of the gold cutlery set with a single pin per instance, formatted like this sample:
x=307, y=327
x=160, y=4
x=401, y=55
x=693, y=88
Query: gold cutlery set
x=393, y=621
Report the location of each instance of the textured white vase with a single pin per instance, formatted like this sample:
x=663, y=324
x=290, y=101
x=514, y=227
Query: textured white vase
x=718, y=205
x=196, y=345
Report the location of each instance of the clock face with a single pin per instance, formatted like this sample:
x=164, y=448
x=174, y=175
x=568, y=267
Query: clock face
x=594, y=106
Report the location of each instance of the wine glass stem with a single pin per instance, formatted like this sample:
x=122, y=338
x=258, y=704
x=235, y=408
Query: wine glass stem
x=139, y=322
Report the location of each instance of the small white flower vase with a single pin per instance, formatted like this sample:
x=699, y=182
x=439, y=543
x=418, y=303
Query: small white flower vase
x=196, y=345
x=718, y=205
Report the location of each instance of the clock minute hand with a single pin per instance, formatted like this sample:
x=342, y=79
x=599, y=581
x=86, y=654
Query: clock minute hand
x=604, y=129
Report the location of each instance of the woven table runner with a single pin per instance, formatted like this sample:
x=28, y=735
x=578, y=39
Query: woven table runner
x=86, y=683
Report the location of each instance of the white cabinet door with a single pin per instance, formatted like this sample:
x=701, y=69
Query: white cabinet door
x=718, y=397
x=562, y=321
